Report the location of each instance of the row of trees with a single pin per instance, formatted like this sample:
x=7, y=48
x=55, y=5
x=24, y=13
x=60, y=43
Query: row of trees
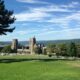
x=65, y=49
x=70, y=49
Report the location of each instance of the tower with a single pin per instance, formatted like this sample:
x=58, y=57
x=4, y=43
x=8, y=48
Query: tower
x=32, y=43
x=14, y=45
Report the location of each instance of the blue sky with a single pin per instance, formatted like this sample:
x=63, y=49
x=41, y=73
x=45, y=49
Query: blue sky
x=44, y=19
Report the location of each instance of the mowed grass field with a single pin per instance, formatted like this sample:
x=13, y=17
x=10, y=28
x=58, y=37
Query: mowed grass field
x=30, y=68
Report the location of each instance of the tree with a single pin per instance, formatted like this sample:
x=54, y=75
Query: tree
x=78, y=49
x=58, y=50
x=51, y=49
x=37, y=50
x=6, y=19
x=72, y=51
x=63, y=49
x=7, y=49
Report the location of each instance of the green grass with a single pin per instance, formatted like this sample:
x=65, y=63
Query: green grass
x=38, y=69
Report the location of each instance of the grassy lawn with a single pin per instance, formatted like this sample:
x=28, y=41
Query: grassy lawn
x=28, y=68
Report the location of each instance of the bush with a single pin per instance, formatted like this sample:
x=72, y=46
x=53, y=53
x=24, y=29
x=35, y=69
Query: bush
x=51, y=48
x=50, y=55
x=38, y=50
x=7, y=49
x=72, y=50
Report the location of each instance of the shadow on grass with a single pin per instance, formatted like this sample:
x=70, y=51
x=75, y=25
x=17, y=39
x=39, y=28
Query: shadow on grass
x=32, y=59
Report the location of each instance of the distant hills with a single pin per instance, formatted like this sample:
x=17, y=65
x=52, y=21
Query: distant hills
x=45, y=42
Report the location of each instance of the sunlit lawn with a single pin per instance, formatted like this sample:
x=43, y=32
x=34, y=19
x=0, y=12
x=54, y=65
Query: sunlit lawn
x=27, y=68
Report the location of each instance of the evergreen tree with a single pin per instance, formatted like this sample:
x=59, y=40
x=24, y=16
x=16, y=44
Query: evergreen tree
x=6, y=19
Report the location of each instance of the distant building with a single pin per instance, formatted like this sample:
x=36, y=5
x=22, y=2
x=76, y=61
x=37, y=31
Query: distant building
x=14, y=45
x=26, y=49
x=31, y=44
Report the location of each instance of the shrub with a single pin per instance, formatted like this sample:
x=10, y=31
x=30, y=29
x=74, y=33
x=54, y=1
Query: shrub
x=38, y=50
x=50, y=55
x=7, y=49
x=51, y=48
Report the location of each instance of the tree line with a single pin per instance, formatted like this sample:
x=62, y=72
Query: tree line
x=65, y=49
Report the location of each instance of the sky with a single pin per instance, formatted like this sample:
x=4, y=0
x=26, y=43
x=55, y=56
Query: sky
x=44, y=19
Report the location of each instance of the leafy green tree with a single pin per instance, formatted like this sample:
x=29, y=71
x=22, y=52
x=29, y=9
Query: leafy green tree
x=51, y=48
x=78, y=49
x=63, y=49
x=37, y=50
x=57, y=50
x=6, y=19
x=72, y=50
x=44, y=51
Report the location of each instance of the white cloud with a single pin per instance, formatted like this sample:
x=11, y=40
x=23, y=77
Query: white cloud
x=42, y=14
x=74, y=16
x=58, y=8
x=64, y=21
x=65, y=33
x=73, y=4
x=51, y=8
x=24, y=24
x=33, y=1
x=25, y=32
x=39, y=13
x=39, y=16
x=34, y=30
x=69, y=5
x=35, y=15
x=21, y=32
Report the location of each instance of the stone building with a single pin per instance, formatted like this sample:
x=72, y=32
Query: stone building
x=14, y=45
x=32, y=43
x=26, y=49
